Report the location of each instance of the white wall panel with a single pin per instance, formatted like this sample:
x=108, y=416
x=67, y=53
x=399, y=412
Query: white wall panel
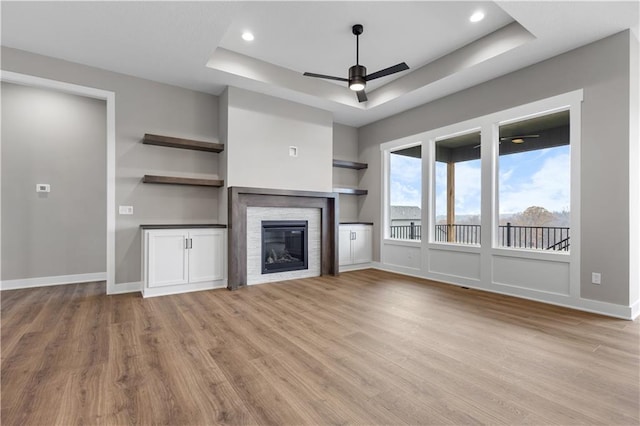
x=401, y=255
x=454, y=264
x=540, y=275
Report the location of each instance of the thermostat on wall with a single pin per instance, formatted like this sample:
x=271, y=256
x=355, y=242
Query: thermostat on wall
x=43, y=187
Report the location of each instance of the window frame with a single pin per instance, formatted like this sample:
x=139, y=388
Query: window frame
x=496, y=223
x=489, y=127
x=388, y=149
x=432, y=184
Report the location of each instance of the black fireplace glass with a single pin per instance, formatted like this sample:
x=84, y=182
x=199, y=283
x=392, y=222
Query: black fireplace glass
x=284, y=245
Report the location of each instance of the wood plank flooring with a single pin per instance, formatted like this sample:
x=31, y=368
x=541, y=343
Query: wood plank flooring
x=367, y=347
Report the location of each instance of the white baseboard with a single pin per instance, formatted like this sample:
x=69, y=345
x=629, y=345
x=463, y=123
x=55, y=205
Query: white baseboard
x=411, y=272
x=587, y=305
x=356, y=267
x=122, y=288
x=184, y=288
x=49, y=281
x=635, y=309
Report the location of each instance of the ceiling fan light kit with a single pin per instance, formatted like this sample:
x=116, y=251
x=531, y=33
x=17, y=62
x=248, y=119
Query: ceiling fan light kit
x=358, y=77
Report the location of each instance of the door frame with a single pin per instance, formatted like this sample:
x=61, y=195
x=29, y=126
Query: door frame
x=110, y=99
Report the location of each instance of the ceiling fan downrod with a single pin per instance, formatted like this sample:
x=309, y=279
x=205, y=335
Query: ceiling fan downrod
x=357, y=73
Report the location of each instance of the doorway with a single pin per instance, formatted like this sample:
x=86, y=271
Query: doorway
x=43, y=222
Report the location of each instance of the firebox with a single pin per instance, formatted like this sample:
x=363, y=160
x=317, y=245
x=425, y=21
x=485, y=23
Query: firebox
x=284, y=245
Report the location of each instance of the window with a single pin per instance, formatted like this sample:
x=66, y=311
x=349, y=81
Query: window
x=534, y=183
x=405, y=193
x=457, y=189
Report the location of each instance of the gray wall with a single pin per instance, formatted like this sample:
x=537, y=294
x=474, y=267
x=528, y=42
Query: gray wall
x=602, y=70
x=345, y=147
x=634, y=166
x=144, y=106
x=260, y=130
x=58, y=139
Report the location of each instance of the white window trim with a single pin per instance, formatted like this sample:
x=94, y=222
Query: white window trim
x=430, y=164
x=488, y=125
x=385, y=219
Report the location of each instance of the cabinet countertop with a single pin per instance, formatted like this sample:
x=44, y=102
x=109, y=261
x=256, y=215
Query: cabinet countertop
x=184, y=226
x=356, y=223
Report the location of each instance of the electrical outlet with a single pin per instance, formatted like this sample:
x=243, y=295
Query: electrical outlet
x=43, y=187
x=596, y=278
x=125, y=210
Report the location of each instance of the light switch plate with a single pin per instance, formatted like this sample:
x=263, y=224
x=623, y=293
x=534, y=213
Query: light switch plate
x=293, y=151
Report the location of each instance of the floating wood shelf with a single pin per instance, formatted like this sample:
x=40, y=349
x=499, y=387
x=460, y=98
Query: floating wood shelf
x=172, y=180
x=351, y=191
x=169, y=141
x=349, y=164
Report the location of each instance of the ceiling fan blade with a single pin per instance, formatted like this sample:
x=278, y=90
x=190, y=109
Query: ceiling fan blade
x=387, y=71
x=519, y=137
x=362, y=96
x=328, y=77
x=479, y=145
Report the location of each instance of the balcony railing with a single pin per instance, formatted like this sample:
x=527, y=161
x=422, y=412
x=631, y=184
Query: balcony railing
x=406, y=232
x=462, y=234
x=555, y=238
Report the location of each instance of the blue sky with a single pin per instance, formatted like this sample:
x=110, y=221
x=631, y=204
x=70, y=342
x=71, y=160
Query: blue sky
x=538, y=178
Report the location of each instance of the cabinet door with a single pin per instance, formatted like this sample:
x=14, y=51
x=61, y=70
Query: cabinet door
x=167, y=261
x=362, y=245
x=344, y=246
x=206, y=255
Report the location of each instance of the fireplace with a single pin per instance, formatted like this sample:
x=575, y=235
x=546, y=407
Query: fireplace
x=284, y=245
x=248, y=207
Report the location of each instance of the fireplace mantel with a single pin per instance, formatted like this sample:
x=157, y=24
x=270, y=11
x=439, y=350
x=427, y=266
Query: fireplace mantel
x=240, y=198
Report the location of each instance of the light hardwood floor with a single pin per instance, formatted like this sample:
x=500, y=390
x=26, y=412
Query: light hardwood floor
x=368, y=347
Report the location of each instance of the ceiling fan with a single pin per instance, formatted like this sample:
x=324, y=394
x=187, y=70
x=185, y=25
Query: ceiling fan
x=358, y=76
x=518, y=138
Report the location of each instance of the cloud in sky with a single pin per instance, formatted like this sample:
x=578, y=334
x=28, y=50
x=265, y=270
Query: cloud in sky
x=467, y=181
x=406, y=176
x=537, y=178
x=534, y=178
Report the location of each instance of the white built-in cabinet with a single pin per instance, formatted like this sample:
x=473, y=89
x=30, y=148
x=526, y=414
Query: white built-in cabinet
x=182, y=260
x=355, y=244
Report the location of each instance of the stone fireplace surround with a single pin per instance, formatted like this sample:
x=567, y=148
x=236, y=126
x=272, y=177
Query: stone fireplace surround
x=240, y=198
x=255, y=216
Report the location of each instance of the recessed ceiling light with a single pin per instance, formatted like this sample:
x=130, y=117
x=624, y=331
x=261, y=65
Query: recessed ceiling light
x=477, y=16
x=247, y=36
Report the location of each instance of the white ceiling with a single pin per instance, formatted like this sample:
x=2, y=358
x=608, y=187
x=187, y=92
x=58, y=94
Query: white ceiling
x=197, y=45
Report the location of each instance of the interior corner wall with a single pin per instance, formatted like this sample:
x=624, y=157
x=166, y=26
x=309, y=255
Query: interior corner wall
x=602, y=70
x=59, y=139
x=260, y=133
x=144, y=106
x=345, y=147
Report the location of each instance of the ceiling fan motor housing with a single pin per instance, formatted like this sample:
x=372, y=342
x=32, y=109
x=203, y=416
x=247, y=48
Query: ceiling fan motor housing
x=357, y=74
